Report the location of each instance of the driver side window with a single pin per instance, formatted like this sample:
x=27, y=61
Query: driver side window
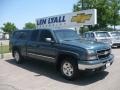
x=45, y=34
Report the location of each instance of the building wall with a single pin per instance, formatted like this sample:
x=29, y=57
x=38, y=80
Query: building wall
x=4, y=36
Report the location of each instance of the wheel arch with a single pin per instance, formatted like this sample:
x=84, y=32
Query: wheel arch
x=63, y=55
x=14, y=48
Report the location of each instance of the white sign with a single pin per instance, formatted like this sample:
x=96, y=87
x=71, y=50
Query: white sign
x=75, y=19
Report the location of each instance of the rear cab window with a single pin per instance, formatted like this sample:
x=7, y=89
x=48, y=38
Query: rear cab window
x=34, y=35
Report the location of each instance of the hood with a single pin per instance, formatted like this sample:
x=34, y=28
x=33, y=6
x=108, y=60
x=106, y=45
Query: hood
x=87, y=44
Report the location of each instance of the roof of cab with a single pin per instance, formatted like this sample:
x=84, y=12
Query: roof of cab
x=39, y=29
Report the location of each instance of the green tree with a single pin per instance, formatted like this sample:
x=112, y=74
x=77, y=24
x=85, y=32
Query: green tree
x=115, y=16
x=107, y=11
x=30, y=25
x=8, y=27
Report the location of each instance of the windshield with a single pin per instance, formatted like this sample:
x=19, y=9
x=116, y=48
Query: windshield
x=66, y=35
x=115, y=33
x=102, y=34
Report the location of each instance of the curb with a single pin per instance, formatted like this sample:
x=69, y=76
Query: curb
x=6, y=55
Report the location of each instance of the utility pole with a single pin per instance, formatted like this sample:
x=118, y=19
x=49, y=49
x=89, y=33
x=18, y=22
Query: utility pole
x=82, y=9
x=116, y=10
x=114, y=18
x=82, y=4
x=114, y=23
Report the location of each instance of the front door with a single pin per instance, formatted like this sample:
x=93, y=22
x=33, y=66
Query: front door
x=47, y=50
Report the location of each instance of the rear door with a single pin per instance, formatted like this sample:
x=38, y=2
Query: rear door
x=32, y=44
x=39, y=48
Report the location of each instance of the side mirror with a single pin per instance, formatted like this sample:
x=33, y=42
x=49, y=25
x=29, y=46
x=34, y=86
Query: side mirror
x=49, y=40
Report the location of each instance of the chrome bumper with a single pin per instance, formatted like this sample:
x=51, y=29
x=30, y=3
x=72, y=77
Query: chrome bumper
x=94, y=64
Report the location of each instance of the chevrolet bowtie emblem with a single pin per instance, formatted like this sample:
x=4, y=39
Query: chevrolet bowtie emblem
x=81, y=18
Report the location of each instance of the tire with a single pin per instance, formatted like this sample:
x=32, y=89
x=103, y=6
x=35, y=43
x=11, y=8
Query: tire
x=17, y=57
x=69, y=69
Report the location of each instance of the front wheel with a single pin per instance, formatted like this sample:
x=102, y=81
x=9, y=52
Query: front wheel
x=69, y=69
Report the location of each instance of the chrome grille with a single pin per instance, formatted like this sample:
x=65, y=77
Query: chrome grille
x=103, y=53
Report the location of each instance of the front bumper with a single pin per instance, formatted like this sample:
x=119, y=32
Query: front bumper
x=95, y=64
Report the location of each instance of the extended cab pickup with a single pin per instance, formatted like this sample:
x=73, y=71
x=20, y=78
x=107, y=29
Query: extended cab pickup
x=63, y=48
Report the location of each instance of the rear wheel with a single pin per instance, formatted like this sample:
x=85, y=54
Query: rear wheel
x=17, y=57
x=69, y=69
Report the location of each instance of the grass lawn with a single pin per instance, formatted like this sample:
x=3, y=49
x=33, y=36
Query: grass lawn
x=4, y=49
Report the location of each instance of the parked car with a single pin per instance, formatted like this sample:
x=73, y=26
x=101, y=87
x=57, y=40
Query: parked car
x=99, y=36
x=64, y=48
x=115, y=38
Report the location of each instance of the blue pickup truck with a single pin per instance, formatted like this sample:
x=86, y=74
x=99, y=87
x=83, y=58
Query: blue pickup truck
x=64, y=48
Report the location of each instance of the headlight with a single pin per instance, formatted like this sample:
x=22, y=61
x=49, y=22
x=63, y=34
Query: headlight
x=91, y=55
x=91, y=52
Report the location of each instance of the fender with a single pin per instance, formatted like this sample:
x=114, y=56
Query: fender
x=68, y=53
